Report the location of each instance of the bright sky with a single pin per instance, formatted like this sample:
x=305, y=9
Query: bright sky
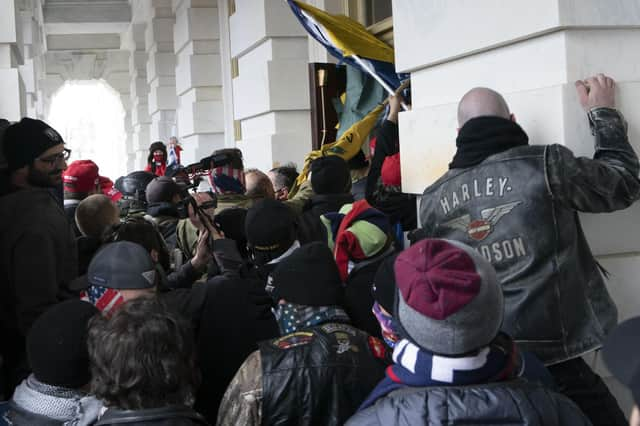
x=90, y=117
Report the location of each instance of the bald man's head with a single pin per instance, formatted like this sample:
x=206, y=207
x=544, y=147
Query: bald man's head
x=479, y=102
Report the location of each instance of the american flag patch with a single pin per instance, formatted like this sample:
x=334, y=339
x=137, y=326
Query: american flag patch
x=103, y=298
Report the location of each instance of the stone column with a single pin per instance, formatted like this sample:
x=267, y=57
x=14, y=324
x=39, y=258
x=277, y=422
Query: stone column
x=271, y=88
x=532, y=52
x=198, y=78
x=12, y=87
x=161, y=68
x=32, y=49
x=139, y=95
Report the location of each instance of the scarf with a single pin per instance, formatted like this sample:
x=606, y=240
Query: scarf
x=70, y=406
x=292, y=317
x=103, y=298
x=227, y=180
x=482, y=137
x=416, y=367
x=356, y=232
x=387, y=325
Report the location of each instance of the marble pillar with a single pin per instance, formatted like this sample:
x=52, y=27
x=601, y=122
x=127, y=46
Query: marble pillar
x=12, y=87
x=161, y=68
x=271, y=88
x=198, y=78
x=139, y=98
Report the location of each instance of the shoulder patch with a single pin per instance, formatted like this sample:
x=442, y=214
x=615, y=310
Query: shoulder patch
x=333, y=327
x=377, y=347
x=292, y=340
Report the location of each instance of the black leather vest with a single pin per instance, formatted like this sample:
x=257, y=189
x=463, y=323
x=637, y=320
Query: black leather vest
x=319, y=376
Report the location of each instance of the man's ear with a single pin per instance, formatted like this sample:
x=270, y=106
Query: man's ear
x=513, y=118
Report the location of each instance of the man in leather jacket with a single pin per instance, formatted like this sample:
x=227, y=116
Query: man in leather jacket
x=322, y=368
x=517, y=205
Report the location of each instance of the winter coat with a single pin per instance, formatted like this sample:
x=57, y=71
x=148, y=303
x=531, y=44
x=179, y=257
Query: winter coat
x=38, y=260
x=513, y=403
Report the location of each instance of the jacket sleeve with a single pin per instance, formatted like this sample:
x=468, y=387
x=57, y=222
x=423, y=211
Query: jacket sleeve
x=227, y=256
x=184, y=277
x=34, y=277
x=605, y=183
x=242, y=402
x=305, y=192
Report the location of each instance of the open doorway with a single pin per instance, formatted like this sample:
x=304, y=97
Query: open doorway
x=90, y=117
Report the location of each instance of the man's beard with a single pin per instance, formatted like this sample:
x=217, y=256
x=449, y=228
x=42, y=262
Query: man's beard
x=44, y=180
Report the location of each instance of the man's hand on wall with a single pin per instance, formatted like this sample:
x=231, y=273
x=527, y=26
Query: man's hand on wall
x=596, y=92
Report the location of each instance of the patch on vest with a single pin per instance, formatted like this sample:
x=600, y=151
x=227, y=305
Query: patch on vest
x=377, y=347
x=479, y=229
x=333, y=327
x=292, y=340
x=344, y=343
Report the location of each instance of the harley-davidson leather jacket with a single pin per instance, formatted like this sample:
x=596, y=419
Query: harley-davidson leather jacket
x=518, y=208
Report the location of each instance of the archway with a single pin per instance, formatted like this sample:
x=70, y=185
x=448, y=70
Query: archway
x=90, y=117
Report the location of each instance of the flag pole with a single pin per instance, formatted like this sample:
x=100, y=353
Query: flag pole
x=378, y=79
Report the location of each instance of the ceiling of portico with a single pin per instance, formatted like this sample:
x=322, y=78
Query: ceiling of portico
x=84, y=40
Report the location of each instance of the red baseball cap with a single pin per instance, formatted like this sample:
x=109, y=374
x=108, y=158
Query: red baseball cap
x=80, y=176
x=390, y=172
x=107, y=188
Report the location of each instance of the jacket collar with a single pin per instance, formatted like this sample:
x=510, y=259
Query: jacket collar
x=115, y=416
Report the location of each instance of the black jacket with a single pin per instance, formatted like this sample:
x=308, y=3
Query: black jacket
x=358, y=293
x=166, y=416
x=513, y=403
x=400, y=207
x=320, y=375
x=518, y=208
x=70, y=211
x=38, y=260
x=310, y=227
x=229, y=316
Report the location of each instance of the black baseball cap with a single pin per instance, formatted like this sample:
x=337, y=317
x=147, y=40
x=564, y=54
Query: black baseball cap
x=122, y=265
x=621, y=353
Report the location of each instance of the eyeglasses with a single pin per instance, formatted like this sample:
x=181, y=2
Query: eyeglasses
x=52, y=159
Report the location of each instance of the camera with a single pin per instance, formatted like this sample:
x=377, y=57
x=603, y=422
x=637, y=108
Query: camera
x=208, y=163
x=182, y=207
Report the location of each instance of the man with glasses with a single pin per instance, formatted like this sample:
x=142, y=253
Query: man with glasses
x=38, y=254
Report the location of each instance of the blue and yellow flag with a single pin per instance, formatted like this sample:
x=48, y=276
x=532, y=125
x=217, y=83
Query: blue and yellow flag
x=348, y=41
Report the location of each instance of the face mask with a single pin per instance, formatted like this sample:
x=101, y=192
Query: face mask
x=387, y=326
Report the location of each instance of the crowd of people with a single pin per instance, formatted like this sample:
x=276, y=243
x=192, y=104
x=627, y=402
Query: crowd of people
x=215, y=294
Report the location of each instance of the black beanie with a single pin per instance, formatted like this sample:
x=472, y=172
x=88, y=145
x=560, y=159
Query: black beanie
x=309, y=277
x=57, y=344
x=330, y=175
x=270, y=227
x=384, y=284
x=231, y=222
x=24, y=141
